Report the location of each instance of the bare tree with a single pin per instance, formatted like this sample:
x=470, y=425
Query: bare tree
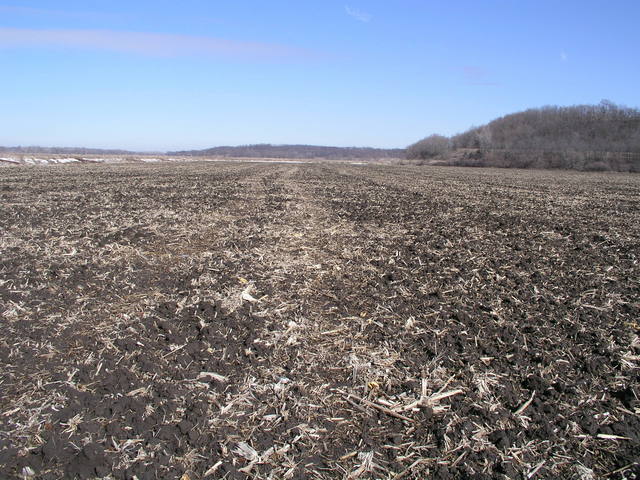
x=428, y=147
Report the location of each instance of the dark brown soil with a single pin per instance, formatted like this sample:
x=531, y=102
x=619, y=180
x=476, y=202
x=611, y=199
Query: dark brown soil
x=318, y=321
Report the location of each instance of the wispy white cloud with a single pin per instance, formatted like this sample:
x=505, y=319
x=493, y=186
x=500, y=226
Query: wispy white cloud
x=357, y=14
x=149, y=44
x=563, y=56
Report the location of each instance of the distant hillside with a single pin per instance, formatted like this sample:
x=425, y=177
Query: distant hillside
x=296, y=151
x=64, y=151
x=584, y=137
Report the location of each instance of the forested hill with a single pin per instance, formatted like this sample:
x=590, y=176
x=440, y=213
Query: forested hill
x=604, y=127
x=296, y=151
x=587, y=137
x=64, y=151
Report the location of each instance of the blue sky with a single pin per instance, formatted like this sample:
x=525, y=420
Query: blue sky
x=164, y=75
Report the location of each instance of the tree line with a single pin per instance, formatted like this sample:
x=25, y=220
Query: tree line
x=267, y=150
x=585, y=137
x=64, y=151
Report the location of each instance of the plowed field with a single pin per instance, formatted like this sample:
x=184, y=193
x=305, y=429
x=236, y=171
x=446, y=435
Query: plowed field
x=195, y=321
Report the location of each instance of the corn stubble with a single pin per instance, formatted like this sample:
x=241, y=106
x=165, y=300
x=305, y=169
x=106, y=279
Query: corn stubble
x=318, y=321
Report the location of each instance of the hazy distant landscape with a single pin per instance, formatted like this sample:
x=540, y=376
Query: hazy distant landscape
x=603, y=137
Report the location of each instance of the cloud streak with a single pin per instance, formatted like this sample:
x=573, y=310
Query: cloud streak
x=357, y=14
x=147, y=44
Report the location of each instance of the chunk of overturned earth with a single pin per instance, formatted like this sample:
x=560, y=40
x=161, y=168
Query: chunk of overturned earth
x=89, y=463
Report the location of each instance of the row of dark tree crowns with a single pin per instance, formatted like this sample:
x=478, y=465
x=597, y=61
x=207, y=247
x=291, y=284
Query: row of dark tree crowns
x=266, y=150
x=605, y=127
x=249, y=151
x=65, y=151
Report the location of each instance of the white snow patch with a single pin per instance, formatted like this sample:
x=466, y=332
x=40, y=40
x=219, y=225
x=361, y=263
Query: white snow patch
x=65, y=160
x=273, y=161
x=46, y=161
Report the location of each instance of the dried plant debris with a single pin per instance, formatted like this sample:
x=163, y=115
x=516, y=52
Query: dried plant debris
x=265, y=321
